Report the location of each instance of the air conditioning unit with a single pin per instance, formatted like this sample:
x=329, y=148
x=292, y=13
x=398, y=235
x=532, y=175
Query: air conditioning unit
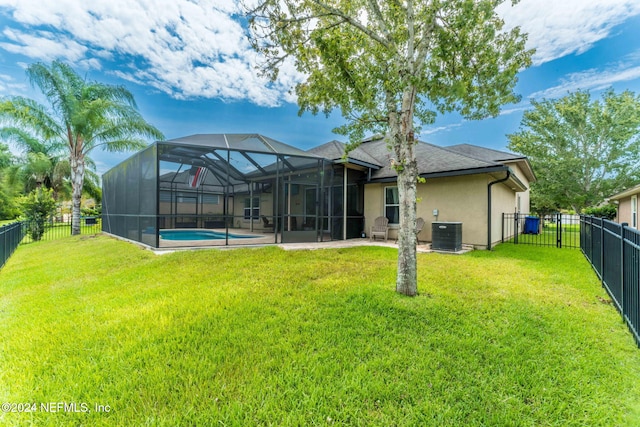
x=446, y=236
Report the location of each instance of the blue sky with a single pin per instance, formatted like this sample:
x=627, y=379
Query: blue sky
x=192, y=71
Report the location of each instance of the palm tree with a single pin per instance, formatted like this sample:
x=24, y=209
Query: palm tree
x=82, y=116
x=8, y=208
x=43, y=165
x=40, y=165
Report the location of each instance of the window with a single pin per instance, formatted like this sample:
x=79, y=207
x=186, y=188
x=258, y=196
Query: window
x=189, y=197
x=248, y=207
x=634, y=212
x=211, y=199
x=392, y=205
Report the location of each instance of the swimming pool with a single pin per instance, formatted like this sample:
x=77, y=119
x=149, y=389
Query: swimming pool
x=201, y=235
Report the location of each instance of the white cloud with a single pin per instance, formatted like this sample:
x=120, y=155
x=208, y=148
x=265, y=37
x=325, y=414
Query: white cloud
x=594, y=79
x=197, y=48
x=188, y=49
x=561, y=27
x=43, y=44
x=439, y=129
x=521, y=107
x=8, y=86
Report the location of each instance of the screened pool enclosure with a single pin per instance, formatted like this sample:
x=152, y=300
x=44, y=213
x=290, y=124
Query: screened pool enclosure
x=230, y=189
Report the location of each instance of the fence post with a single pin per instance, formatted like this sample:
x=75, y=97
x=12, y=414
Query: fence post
x=559, y=230
x=516, y=228
x=622, y=226
x=602, y=248
x=582, y=226
x=591, y=243
x=502, y=238
x=4, y=247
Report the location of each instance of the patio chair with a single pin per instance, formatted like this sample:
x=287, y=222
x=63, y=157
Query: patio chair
x=380, y=228
x=419, y=227
x=266, y=224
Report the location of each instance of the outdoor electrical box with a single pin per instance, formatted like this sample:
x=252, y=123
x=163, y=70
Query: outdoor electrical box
x=435, y=212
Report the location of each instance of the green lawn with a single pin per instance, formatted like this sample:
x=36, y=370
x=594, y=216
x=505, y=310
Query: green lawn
x=521, y=336
x=58, y=230
x=549, y=234
x=63, y=229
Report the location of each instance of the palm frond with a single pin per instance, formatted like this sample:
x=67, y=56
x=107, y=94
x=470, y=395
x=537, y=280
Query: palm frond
x=31, y=117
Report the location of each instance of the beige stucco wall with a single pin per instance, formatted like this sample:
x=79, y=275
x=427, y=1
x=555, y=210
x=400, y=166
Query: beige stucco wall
x=461, y=199
x=189, y=208
x=525, y=198
x=624, y=209
x=504, y=200
x=266, y=209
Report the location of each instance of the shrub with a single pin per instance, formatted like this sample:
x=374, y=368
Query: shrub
x=605, y=211
x=91, y=210
x=38, y=206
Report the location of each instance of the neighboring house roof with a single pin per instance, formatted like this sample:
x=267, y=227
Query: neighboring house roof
x=626, y=193
x=433, y=161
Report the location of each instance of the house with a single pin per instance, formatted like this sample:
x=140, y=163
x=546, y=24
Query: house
x=249, y=188
x=464, y=183
x=627, y=206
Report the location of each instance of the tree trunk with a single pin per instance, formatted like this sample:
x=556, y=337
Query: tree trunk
x=77, y=178
x=407, y=278
x=403, y=143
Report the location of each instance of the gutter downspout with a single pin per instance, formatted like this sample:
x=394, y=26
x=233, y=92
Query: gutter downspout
x=489, y=206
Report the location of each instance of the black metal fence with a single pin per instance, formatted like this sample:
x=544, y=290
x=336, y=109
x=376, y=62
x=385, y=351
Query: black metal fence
x=558, y=230
x=56, y=229
x=10, y=237
x=17, y=233
x=614, y=252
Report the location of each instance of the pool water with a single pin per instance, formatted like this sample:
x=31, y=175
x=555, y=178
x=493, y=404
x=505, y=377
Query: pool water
x=200, y=235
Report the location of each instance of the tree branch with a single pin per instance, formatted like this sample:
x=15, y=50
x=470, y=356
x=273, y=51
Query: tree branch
x=351, y=21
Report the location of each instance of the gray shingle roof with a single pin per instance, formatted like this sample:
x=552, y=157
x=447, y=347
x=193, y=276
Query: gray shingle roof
x=334, y=150
x=483, y=153
x=431, y=158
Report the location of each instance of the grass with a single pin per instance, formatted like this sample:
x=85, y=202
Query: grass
x=63, y=229
x=521, y=336
x=548, y=236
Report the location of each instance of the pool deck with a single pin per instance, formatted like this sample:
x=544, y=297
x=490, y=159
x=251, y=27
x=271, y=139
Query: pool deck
x=268, y=239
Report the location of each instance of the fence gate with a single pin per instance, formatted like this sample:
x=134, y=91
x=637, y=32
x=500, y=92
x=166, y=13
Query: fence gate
x=559, y=230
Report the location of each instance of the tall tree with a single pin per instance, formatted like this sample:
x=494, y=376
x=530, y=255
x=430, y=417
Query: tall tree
x=40, y=164
x=82, y=115
x=581, y=150
x=8, y=207
x=390, y=66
